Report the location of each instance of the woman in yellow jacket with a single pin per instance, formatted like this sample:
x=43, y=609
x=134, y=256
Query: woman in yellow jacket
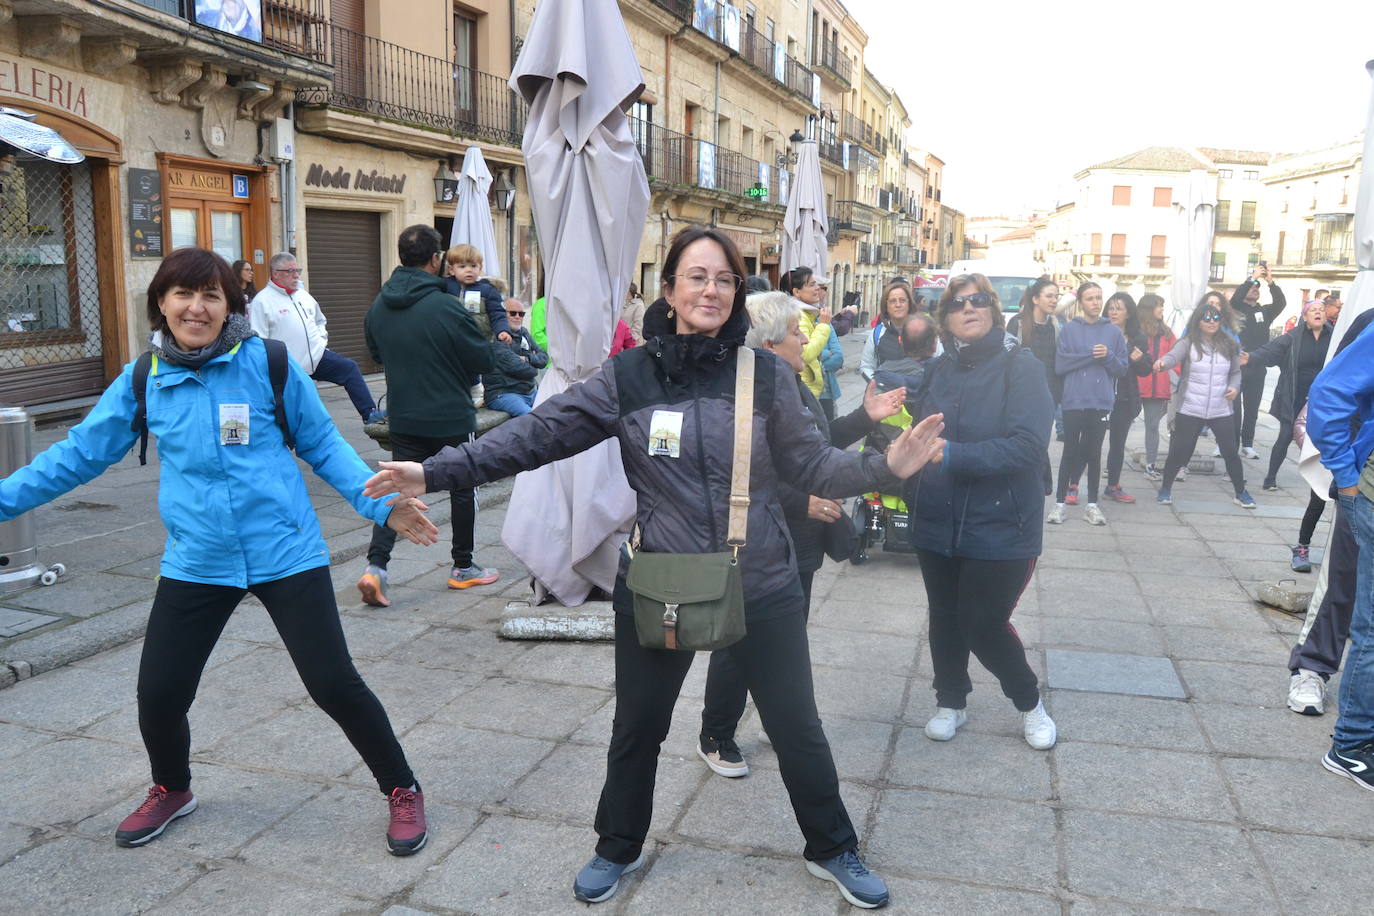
x=800, y=283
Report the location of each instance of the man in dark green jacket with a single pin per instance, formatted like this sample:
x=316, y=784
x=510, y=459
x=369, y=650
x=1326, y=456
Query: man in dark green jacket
x=433, y=353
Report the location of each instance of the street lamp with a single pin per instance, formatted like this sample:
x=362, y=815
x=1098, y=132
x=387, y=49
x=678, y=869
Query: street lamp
x=504, y=191
x=788, y=159
x=445, y=184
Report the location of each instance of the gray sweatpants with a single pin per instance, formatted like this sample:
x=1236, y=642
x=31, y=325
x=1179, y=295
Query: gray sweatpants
x=1322, y=640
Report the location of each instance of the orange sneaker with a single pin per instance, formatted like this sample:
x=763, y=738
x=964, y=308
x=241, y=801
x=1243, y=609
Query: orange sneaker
x=372, y=586
x=469, y=576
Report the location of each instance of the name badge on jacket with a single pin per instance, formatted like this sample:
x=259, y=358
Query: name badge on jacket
x=665, y=434
x=233, y=424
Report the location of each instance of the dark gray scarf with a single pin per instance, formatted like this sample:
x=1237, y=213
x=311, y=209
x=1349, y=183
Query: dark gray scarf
x=236, y=330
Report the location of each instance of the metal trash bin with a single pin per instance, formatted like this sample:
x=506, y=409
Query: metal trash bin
x=19, y=566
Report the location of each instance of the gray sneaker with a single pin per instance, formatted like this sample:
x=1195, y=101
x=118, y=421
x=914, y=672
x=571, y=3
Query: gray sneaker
x=469, y=576
x=857, y=884
x=600, y=878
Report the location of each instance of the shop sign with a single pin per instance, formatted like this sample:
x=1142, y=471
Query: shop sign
x=145, y=213
x=318, y=176
x=196, y=180
x=29, y=82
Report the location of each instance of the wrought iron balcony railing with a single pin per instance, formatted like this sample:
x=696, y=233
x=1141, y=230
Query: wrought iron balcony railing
x=295, y=26
x=851, y=216
x=379, y=78
x=678, y=159
x=830, y=58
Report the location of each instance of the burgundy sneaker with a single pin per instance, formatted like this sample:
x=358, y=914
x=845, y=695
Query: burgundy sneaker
x=406, y=835
x=160, y=808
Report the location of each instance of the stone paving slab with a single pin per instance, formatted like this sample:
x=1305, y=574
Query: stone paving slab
x=1212, y=801
x=1107, y=672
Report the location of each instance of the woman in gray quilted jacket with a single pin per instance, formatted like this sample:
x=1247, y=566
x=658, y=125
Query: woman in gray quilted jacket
x=685, y=381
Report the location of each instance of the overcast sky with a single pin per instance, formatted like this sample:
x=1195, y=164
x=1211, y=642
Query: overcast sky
x=1017, y=96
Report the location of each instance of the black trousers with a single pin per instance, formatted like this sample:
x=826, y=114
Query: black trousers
x=726, y=691
x=1248, y=403
x=776, y=664
x=463, y=503
x=1315, y=507
x=183, y=627
x=1118, y=426
x=1184, y=441
x=971, y=602
x=1324, y=645
x=1280, y=451
x=1083, y=432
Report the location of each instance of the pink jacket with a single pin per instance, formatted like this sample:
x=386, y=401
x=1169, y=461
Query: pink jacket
x=624, y=338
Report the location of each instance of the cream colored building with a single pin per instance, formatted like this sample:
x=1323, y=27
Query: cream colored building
x=1307, y=219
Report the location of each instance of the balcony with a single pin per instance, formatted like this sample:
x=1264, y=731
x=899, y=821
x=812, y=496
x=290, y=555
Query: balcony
x=852, y=216
x=864, y=135
x=1122, y=262
x=673, y=159
x=831, y=150
x=796, y=76
x=887, y=253
x=1337, y=258
x=868, y=253
x=906, y=255
x=295, y=26
x=832, y=236
x=832, y=63
x=385, y=80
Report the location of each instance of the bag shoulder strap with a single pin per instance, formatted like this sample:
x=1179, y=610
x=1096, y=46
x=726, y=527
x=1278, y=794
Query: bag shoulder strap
x=276, y=374
x=744, y=448
x=142, y=368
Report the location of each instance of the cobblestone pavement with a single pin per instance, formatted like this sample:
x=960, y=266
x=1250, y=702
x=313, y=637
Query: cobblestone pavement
x=1211, y=801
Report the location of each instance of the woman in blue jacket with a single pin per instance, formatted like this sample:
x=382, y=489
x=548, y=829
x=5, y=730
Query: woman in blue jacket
x=238, y=520
x=1090, y=356
x=977, y=512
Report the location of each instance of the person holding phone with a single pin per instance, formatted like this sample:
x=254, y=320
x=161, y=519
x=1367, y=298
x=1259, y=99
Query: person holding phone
x=1254, y=333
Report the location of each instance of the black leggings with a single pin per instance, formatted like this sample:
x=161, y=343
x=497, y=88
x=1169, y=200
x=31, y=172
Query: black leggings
x=183, y=627
x=1083, y=432
x=1280, y=450
x=1118, y=425
x=776, y=663
x=1315, y=506
x=1184, y=440
x=970, y=611
x=462, y=503
x=726, y=692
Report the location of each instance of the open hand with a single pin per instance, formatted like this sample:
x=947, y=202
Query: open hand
x=824, y=510
x=408, y=519
x=404, y=477
x=916, y=447
x=880, y=406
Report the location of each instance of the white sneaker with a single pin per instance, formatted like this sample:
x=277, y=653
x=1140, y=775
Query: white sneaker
x=1056, y=516
x=945, y=723
x=1248, y=451
x=1307, y=693
x=1216, y=452
x=1038, y=728
x=1182, y=475
x=1093, y=515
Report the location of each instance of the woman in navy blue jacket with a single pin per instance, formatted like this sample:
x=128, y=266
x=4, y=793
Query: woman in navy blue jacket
x=977, y=513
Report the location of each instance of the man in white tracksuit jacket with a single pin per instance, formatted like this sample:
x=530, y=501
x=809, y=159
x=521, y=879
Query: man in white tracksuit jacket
x=283, y=311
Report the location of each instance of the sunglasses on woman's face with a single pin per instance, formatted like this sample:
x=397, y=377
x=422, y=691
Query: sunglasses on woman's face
x=977, y=300
x=1212, y=316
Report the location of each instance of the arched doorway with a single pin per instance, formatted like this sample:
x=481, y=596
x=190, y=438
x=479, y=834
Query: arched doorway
x=62, y=318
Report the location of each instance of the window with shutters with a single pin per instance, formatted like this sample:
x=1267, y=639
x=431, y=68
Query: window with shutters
x=1118, y=258
x=1164, y=197
x=1247, y=215
x=1158, y=259
x=1121, y=195
x=1223, y=215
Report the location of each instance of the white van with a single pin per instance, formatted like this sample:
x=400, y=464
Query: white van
x=1009, y=278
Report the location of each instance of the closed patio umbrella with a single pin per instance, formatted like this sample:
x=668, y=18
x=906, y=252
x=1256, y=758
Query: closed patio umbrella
x=578, y=71
x=804, y=226
x=1361, y=297
x=1195, y=217
x=472, y=215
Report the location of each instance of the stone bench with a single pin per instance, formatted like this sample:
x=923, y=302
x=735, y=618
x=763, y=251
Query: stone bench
x=487, y=420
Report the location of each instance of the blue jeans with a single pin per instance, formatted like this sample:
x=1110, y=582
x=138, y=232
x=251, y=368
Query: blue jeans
x=1355, y=726
x=339, y=369
x=517, y=405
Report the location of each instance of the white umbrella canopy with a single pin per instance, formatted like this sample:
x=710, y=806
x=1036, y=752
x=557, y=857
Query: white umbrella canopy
x=804, y=226
x=578, y=71
x=1361, y=297
x=1195, y=217
x=472, y=215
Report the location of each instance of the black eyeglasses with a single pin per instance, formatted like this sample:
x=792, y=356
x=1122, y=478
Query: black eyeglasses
x=977, y=300
x=1212, y=316
x=515, y=314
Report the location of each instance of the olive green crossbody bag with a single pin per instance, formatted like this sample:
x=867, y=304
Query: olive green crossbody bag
x=695, y=601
